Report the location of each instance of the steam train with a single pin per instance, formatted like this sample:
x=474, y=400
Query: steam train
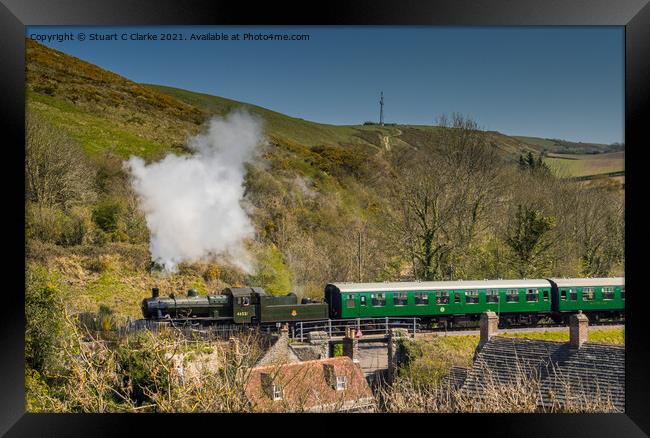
x=444, y=302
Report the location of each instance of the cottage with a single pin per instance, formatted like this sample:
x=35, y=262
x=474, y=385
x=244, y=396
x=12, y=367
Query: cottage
x=327, y=385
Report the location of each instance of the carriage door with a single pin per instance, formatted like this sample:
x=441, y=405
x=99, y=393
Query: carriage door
x=351, y=305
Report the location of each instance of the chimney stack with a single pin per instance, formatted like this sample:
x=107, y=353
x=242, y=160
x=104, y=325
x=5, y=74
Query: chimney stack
x=351, y=345
x=578, y=329
x=489, y=326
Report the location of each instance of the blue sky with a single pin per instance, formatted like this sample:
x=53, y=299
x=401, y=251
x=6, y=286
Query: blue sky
x=554, y=82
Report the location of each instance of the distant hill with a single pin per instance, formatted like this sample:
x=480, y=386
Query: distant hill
x=557, y=146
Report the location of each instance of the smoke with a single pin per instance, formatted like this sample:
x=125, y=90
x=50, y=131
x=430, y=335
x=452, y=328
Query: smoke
x=193, y=203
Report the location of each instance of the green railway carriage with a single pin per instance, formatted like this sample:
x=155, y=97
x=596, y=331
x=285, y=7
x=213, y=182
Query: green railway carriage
x=596, y=297
x=443, y=301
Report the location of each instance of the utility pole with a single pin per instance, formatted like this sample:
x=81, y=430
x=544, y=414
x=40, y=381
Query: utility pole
x=381, y=109
x=359, y=253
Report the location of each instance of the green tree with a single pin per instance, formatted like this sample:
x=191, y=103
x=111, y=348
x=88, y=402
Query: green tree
x=527, y=237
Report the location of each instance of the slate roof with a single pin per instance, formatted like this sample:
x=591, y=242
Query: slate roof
x=595, y=370
x=305, y=387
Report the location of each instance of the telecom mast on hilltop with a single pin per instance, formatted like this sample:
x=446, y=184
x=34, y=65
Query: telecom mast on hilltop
x=381, y=109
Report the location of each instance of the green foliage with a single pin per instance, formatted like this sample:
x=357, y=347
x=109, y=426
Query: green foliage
x=433, y=358
x=106, y=215
x=136, y=360
x=44, y=317
x=527, y=238
x=337, y=350
x=272, y=272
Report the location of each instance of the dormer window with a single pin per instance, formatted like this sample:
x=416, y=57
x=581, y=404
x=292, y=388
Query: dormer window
x=341, y=383
x=276, y=392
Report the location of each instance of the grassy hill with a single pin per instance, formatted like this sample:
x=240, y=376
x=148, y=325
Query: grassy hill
x=105, y=111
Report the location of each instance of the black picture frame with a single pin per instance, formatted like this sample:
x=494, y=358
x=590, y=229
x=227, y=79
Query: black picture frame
x=633, y=14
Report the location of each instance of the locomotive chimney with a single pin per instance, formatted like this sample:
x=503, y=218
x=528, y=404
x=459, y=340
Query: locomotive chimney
x=154, y=292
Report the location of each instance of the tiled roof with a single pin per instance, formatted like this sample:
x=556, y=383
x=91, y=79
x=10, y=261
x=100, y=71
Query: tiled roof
x=305, y=387
x=595, y=370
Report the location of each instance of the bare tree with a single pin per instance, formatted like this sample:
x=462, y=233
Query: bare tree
x=56, y=171
x=442, y=193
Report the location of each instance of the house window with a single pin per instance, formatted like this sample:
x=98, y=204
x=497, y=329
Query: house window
x=400, y=298
x=588, y=294
x=512, y=296
x=608, y=293
x=421, y=298
x=350, y=302
x=341, y=383
x=471, y=296
x=378, y=300
x=623, y=293
x=532, y=296
x=442, y=297
x=563, y=295
x=492, y=296
x=573, y=294
x=277, y=392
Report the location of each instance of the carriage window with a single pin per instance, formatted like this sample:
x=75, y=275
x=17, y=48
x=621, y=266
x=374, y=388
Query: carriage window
x=608, y=293
x=532, y=296
x=623, y=293
x=563, y=295
x=378, y=300
x=421, y=298
x=400, y=298
x=244, y=301
x=573, y=294
x=362, y=298
x=350, y=302
x=457, y=298
x=442, y=297
x=512, y=296
x=471, y=296
x=588, y=294
x=492, y=296
x=545, y=294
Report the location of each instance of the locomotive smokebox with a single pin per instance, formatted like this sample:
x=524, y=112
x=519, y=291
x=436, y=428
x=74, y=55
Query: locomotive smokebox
x=155, y=293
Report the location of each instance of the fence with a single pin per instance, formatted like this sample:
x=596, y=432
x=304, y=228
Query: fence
x=299, y=330
x=367, y=326
x=191, y=330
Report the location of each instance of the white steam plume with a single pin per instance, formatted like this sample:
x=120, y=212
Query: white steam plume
x=192, y=203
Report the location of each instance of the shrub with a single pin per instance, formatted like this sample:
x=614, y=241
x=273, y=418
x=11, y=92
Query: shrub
x=141, y=368
x=106, y=215
x=272, y=273
x=44, y=315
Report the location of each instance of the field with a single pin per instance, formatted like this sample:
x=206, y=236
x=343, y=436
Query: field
x=571, y=165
